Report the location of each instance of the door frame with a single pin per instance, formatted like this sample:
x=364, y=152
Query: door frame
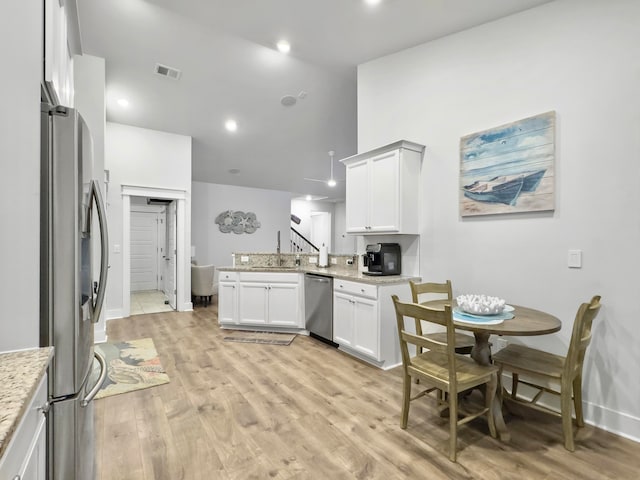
x=183, y=281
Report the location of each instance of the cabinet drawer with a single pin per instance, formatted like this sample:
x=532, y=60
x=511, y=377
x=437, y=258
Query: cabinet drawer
x=227, y=276
x=27, y=429
x=356, y=288
x=269, y=277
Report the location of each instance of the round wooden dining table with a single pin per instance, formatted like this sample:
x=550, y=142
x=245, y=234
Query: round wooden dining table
x=525, y=322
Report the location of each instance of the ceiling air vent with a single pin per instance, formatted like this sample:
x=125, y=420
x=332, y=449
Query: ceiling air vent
x=165, y=71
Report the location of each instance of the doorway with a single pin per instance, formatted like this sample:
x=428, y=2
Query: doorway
x=321, y=229
x=152, y=254
x=175, y=284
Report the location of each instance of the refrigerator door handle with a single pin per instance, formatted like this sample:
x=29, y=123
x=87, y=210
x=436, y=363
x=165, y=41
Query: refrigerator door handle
x=96, y=388
x=104, y=250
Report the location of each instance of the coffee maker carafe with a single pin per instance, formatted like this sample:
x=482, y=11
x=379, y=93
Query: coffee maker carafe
x=383, y=259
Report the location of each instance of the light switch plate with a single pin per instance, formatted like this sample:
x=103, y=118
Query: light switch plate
x=116, y=248
x=574, y=259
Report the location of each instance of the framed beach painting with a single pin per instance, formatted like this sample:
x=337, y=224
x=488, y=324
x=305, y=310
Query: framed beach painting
x=510, y=168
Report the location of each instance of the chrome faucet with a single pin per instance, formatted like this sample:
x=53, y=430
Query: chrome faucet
x=278, y=250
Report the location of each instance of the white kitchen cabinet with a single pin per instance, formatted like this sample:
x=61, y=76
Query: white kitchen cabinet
x=364, y=322
x=228, y=298
x=383, y=189
x=58, y=65
x=25, y=457
x=269, y=299
x=355, y=318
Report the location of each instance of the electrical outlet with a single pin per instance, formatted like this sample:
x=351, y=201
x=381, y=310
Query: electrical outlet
x=334, y=261
x=244, y=258
x=313, y=260
x=500, y=343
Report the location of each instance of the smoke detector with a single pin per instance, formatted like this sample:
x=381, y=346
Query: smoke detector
x=165, y=71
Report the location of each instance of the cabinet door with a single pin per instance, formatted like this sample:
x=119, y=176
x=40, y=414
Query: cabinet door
x=384, y=201
x=343, y=319
x=227, y=302
x=252, y=303
x=35, y=463
x=357, y=197
x=365, y=327
x=283, y=304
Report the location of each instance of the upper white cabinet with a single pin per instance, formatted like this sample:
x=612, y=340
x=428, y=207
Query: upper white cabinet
x=383, y=189
x=58, y=66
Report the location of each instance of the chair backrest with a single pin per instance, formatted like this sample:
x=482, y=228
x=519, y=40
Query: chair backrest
x=581, y=336
x=435, y=291
x=409, y=312
x=442, y=289
x=202, y=279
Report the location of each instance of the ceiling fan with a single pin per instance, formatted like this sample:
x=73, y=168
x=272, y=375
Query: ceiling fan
x=331, y=181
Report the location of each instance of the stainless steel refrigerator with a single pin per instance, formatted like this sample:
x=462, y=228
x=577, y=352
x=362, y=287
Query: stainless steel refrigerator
x=73, y=225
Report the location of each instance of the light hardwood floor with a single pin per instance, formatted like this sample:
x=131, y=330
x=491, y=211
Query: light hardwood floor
x=308, y=411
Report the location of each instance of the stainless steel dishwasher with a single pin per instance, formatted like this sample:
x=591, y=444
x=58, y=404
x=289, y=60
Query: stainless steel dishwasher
x=318, y=306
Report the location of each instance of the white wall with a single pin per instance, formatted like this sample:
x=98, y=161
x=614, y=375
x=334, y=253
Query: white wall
x=21, y=53
x=144, y=158
x=89, y=100
x=581, y=59
x=272, y=208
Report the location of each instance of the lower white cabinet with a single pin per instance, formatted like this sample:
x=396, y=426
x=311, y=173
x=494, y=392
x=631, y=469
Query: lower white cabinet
x=25, y=457
x=228, y=297
x=260, y=299
x=364, y=322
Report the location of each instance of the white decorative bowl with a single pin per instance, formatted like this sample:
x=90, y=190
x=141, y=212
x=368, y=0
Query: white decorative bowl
x=480, y=304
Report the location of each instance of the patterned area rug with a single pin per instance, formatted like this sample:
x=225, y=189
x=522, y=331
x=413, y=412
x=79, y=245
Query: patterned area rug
x=132, y=365
x=260, y=337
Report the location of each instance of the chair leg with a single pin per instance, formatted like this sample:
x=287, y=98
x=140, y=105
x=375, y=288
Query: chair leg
x=406, y=398
x=577, y=400
x=492, y=387
x=514, y=384
x=453, y=426
x=567, y=424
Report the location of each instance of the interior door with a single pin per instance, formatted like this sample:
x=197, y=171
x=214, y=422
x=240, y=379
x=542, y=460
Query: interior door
x=144, y=251
x=321, y=229
x=170, y=255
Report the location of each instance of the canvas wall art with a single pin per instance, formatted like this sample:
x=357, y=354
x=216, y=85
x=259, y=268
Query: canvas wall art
x=510, y=168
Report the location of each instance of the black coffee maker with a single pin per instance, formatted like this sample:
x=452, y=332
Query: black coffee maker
x=383, y=259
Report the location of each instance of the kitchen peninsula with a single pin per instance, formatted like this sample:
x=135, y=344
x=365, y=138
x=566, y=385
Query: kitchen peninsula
x=265, y=292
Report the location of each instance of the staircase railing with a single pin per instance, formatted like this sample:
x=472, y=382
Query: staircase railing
x=300, y=244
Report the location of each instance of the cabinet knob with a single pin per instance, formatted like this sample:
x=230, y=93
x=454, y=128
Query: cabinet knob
x=45, y=408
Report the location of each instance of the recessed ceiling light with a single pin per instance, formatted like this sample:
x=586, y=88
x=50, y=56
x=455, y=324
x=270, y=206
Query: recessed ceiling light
x=308, y=197
x=123, y=102
x=231, y=125
x=283, y=46
x=372, y=2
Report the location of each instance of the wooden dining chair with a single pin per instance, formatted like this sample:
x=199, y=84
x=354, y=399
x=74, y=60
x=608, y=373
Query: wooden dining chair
x=441, y=368
x=464, y=343
x=564, y=372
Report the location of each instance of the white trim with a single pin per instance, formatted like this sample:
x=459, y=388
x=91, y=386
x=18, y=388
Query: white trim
x=114, y=313
x=619, y=423
x=180, y=196
x=100, y=336
x=138, y=191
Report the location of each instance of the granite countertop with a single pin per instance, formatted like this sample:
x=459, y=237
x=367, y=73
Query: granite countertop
x=20, y=375
x=334, y=272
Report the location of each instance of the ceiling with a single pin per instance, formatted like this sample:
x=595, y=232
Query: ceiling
x=231, y=68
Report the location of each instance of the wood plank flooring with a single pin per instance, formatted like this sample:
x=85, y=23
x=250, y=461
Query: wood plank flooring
x=307, y=411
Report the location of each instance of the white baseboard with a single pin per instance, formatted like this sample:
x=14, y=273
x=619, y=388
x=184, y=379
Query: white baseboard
x=114, y=313
x=619, y=423
x=185, y=307
x=99, y=336
x=622, y=424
